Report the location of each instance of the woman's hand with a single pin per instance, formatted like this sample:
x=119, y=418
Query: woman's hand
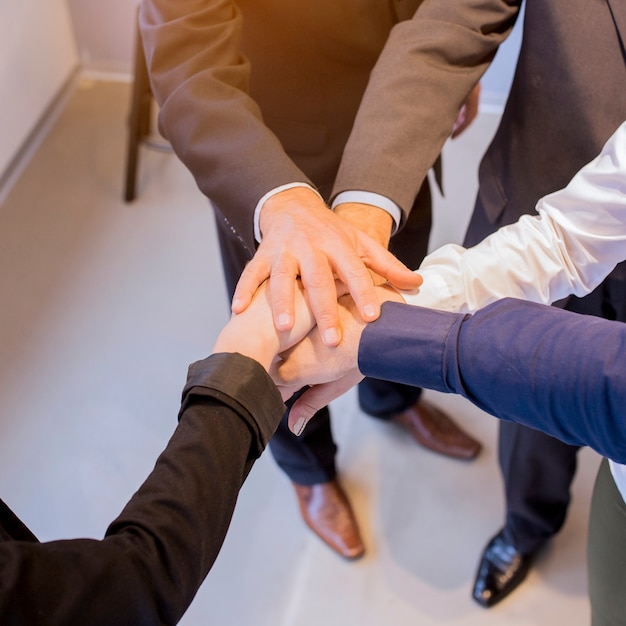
x=328, y=371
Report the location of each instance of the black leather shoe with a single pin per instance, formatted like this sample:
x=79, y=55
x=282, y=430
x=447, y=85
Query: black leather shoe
x=502, y=568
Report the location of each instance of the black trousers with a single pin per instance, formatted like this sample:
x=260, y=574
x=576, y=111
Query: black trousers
x=310, y=458
x=537, y=469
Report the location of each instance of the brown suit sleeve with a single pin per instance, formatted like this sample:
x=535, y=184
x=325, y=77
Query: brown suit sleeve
x=426, y=71
x=200, y=80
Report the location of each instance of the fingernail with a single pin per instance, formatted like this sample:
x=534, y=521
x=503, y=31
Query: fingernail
x=284, y=319
x=369, y=311
x=331, y=337
x=235, y=304
x=299, y=426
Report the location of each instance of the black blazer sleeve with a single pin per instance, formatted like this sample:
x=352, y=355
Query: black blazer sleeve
x=156, y=554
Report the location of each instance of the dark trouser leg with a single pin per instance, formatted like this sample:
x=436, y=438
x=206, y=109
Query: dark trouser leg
x=310, y=458
x=538, y=469
x=380, y=398
x=606, y=551
x=383, y=400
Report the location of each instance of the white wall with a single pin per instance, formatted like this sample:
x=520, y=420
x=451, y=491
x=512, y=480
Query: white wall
x=37, y=56
x=105, y=33
x=497, y=80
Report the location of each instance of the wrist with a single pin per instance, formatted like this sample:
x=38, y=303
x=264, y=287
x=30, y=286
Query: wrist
x=261, y=347
x=286, y=201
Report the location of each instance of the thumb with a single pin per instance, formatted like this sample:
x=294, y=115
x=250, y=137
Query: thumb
x=317, y=397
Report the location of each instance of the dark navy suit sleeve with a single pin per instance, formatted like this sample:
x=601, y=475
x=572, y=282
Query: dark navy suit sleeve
x=550, y=369
x=155, y=555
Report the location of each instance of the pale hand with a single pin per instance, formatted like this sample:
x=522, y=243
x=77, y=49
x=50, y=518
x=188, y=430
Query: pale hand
x=329, y=370
x=468, y=112
x=253, y=333
x=303, y=238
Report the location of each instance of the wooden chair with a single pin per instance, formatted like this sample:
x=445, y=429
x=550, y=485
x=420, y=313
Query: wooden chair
x=139, y=120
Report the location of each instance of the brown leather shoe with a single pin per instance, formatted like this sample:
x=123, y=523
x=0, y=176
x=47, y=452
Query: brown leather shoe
x=327, y=512
x=436, y=431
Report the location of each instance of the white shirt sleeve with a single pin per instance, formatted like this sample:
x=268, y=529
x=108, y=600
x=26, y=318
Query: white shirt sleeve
x=577, y=238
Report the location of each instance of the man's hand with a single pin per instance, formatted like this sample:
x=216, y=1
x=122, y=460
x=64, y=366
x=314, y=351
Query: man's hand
x=371, y=220
x=329, y=371
x=303, y=238
x=468, y=112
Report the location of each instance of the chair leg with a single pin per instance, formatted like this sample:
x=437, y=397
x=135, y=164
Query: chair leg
x=139, y=120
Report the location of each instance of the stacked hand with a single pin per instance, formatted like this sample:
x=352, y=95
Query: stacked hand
x=302, y=302
x=328, y=371
x=298, y=357
x=303, y=239
x=252, y=333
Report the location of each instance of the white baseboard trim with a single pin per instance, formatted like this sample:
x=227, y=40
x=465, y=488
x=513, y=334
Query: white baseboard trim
x=22, y=157
x=24, y=154
x=111, y=73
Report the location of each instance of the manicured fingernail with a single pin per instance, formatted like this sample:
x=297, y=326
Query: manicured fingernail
x=369, y=311
x=235, y=304
x=284, y=319
x=331, y=337
x=299, y=426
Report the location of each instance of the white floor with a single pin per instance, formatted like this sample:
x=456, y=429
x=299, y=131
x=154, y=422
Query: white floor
x=104, y=304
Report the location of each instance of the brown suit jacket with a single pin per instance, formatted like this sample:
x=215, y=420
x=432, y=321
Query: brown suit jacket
x=254, y=94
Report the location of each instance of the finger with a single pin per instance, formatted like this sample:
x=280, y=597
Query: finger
x=468, y=112
x=385, y=264
x=461, y=122
x=319, y=283
x=360, y=284
x=287, y=392
x=255, y=273
x=355, y=277
x=282, y=292
x=315, y=398
x=303, y=323
x=398, y=277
